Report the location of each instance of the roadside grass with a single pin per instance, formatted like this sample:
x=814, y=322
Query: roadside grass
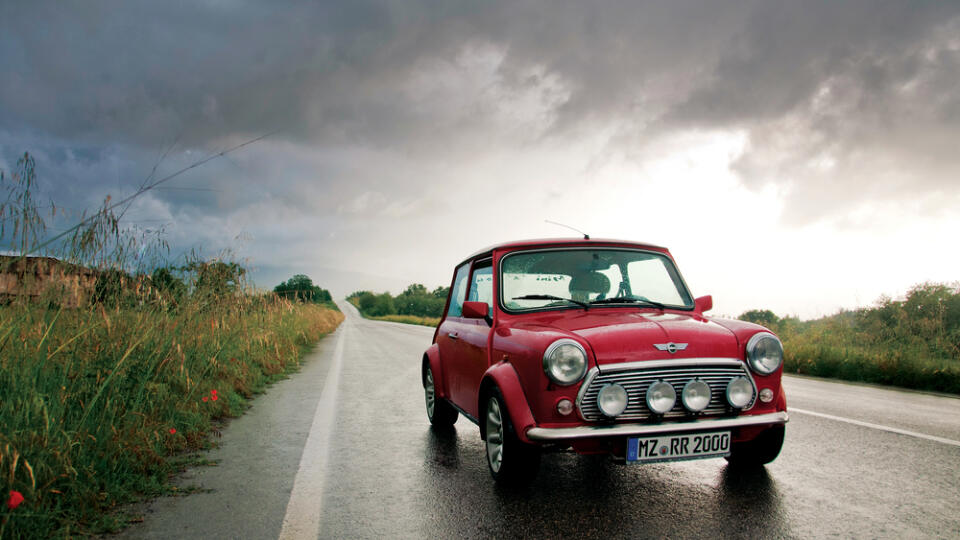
x=115, y=361
x=330, y=305
x=913, y=342
x=902, y=367
x=99, y=404
x=408, y=319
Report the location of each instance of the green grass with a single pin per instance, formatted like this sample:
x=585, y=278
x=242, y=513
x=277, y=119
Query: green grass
x=902, y=367
x=409, y=319
x=97, y=403
x=406, y=319
x=911, y=343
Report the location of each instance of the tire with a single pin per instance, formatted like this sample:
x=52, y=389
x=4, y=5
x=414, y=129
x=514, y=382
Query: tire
x=511, y=461
x=439, y=412
x=761, y=450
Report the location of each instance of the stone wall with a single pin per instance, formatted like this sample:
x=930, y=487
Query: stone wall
x=45, y=278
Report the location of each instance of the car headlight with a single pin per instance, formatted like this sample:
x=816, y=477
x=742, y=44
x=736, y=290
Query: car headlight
x=739, y=392
x=661, y=397
x=764, y=353
x=695, y=395
x=612, y=400
x=565, y=362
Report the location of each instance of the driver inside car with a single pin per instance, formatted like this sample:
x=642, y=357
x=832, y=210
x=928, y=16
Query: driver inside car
x=585, y=284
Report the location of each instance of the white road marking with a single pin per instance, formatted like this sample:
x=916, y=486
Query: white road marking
x=877, y=426
x=302, y=519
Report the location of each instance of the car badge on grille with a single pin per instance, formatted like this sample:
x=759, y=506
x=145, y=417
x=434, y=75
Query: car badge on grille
x=670, y=347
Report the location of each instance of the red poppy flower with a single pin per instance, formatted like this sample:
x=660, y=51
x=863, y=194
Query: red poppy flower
x=214, y=391
x=173, y=431
x=204, y=398
x=214, y=397
x=15, y=499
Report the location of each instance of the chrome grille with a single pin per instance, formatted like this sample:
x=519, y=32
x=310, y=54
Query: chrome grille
x=638, y=376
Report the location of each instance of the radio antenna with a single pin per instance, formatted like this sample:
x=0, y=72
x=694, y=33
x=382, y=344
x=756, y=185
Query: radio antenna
x=585, y=235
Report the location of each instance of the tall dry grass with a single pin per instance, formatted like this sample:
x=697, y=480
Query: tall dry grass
x=96, y=401
x=101, y=398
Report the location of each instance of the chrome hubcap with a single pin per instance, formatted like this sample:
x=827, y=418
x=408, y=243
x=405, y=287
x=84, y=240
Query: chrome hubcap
x=494, y=430
x=429, y=393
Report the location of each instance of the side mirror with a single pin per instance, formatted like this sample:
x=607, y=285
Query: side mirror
x=476, y=310
x=704, y=303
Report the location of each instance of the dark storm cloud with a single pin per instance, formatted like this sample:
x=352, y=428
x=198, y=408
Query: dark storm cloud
x=148, y=72
x=840, y=102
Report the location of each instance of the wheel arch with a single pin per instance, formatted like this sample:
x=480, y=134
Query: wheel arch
x=432, y=358
x=503, y=377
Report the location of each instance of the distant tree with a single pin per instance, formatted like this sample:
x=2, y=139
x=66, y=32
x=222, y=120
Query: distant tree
x=301, y=288
x=376, y=305
x=763, y=317
x=417, y=300
x=355, y=295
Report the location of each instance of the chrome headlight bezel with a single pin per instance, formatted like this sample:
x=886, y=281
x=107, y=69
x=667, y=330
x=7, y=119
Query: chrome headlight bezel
x=744, y=388
x=653, y=397
x=693, y=395
x=764, y=353
x=560, y=374
x=615, y=396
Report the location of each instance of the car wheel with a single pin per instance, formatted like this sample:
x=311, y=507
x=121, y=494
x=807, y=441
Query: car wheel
x=511, y=461
x=763, y=449
x=440, y=413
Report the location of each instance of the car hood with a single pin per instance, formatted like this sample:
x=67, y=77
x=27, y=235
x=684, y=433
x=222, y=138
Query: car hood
x=618, y=336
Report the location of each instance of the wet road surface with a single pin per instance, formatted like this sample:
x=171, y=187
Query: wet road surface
x=858, y=461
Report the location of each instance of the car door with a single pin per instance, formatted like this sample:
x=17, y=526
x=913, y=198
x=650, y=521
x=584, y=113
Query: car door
x=467, y=339
x=448, y=334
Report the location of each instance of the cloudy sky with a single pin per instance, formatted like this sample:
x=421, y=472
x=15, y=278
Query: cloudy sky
x=797, y=156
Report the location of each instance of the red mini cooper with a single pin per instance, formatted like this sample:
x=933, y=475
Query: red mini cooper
x=598, y=346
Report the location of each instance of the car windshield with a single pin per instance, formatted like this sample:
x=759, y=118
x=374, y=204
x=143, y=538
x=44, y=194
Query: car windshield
x=578, y=278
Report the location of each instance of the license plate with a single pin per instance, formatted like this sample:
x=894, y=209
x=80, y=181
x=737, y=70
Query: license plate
x=678, y=447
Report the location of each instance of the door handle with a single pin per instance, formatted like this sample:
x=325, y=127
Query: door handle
x=453, y=335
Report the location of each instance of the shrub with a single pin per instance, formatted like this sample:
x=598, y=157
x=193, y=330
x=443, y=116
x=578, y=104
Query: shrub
x=415, y=301
x=301, y=288
x=913, y=343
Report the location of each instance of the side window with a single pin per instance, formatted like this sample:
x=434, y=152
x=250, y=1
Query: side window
x=481, y=286
x=458, y=292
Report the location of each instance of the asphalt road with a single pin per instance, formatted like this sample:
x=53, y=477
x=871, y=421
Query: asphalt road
x=344, y=450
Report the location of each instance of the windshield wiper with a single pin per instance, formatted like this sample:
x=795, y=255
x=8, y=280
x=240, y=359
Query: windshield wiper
x=551, y=297
x=629, y=300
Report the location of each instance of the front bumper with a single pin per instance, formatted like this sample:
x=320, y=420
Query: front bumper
x=538, y=434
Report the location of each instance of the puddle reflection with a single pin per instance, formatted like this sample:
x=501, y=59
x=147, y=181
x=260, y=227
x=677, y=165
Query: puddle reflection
x=749, y=502
x=441, y=447
x=593, y=495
